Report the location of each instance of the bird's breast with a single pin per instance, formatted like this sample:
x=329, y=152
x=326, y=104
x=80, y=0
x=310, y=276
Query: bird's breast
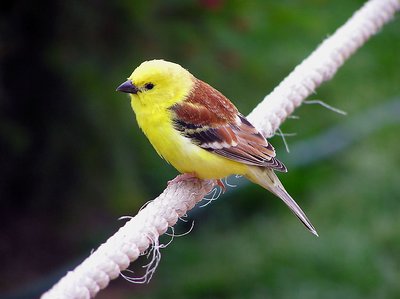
x=180, y=152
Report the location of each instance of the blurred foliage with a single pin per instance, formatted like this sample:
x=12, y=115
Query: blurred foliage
x=73, y=159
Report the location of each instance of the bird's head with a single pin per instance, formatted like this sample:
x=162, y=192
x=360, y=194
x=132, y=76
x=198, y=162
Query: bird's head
x=158, y=83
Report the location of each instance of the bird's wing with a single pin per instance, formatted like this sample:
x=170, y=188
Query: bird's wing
x=212, y=122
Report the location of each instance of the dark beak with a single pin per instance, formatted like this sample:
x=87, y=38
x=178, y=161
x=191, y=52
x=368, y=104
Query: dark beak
x=128, y=87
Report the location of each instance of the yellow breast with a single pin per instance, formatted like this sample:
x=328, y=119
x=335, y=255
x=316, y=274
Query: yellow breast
x=180, y=152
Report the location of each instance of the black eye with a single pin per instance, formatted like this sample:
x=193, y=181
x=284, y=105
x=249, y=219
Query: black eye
x=149, y=86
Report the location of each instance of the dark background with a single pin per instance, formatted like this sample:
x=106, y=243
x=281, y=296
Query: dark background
x=72, y=159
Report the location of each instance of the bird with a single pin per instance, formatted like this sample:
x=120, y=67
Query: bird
x=200, y=132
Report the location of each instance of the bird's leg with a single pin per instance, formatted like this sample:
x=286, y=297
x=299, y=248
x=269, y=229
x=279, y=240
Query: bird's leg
x=192, y=175
x=221, y=184
x=183, y=177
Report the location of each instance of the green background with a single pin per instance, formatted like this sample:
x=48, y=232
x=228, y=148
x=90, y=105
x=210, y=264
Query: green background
x=73, y=159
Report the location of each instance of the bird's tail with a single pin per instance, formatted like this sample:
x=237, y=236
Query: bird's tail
x=267, y=179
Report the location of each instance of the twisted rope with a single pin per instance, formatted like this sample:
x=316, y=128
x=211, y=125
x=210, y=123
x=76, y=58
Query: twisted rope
x=131, y=240
x=321, y=65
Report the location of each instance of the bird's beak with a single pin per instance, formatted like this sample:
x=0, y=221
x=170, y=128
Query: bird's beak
x=128, y=87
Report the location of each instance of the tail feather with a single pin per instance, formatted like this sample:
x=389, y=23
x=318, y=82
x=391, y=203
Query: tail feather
x=266, y=178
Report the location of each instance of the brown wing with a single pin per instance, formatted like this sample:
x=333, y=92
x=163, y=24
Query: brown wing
x=212, y=122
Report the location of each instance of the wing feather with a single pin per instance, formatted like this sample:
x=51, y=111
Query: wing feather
x=212, y=122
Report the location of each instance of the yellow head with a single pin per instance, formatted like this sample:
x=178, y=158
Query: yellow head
x=157, y=84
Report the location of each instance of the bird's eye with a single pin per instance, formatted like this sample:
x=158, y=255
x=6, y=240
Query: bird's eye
x=149, y=86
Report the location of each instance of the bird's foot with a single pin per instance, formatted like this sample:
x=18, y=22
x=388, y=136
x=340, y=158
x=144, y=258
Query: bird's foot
x=221, y=184
x=183, y=177
x=192, y=175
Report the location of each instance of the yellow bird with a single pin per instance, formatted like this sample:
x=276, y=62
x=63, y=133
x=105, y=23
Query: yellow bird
x=200, y=132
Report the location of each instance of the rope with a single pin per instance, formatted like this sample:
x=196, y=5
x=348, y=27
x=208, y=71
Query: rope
x=321, y=65
x=143, y=230
x=131, y=240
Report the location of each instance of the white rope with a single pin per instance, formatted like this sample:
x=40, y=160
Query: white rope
x=321, y=65
x=131, y=240
x=115, y=255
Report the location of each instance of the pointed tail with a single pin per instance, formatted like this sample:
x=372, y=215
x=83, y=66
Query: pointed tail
x=266, y=178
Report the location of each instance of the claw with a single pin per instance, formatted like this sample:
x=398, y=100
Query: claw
x=183, y=177
x=221, y=184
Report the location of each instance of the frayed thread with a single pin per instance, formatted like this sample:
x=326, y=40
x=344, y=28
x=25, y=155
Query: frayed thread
x=154, y=254
x=325, y=105
x=283, y=136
